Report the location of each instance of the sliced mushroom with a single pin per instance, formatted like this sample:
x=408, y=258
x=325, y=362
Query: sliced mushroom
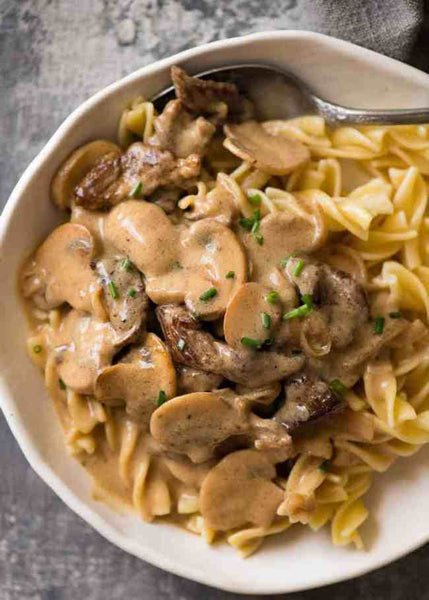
x=77, y=165
x=141, y=170
x=261, y=396
x=93, y=220
x=200, y=350
x=307, y=398
x=272, y=154
x=298, y=228
x=139, y=382
x=203, y=96
x=336, y=295
x=83, y=346
x=180, y=265
x=181, y=133
x=249, y=315
x=194, y=380
x=195, y=424
x=61, y=270
x=124, y=296
x=239, y=491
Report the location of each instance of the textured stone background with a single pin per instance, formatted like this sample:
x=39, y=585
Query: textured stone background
x=53, y=55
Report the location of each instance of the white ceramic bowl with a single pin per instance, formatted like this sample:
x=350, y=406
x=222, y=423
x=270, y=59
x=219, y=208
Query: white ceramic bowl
x=299, y=559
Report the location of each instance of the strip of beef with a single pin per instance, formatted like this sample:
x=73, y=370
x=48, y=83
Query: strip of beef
x=114, y=178
x=307, y=398
x=339, y=298
x=180, y=132
x=124, y=296
x=206, y=97
x=199, y=349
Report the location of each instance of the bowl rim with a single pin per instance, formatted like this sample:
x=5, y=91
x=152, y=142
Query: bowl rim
x=39, y=464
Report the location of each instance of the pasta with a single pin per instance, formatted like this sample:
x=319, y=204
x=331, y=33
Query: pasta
x=364, y=192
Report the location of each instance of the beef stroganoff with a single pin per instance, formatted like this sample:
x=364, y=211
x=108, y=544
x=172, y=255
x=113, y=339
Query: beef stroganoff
x=233, y=320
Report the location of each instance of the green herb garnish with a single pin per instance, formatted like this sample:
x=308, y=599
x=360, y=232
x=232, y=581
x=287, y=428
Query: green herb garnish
x=395, y=315
x=378, y=325
x=176, y=265
x=127, y=264
x=259, y=238
x=299, y=267
x=272, y=297
x=208, y=294
x=162, y=397
x=61, y=384
x=181, y=344
x=266, y=320
x=113, y=290
x=132, y=292
x=338, y=387
x=251, y=343
x=37, y=349
x=136, y=191
x=308, y=300
x=246, y=223
x=255, y=199
x=324, y=466
x=230, y=275
x=301, y=311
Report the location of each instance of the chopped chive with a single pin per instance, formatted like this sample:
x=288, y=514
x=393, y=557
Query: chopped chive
x=301, y=311
x=230, y=275
x=61, y=384
x=285, y=260
x=296, y=351
x=338, y=387
x=272, y=297
x=251, y=343
x=299, y=267
x=395, y=315
x=162, y=397
x=259, y=239
x=127, y=265
x=255, y=199
x=378, y=325
x=246, y=223
x=266, y=320
x=208, y=294
x=308, y=300
x=324, y=466
x=113, y=290
x=181, y=344
x=255, y=226
x=132, y=292
x=136, y=191
x=37, y=349
x=176, y=265
x=257, y=215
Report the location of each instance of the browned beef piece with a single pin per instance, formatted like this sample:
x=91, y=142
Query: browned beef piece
x=113, y=179
x=201, y=350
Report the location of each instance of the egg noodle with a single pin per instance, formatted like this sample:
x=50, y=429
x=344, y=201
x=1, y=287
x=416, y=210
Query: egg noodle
x=368, y=186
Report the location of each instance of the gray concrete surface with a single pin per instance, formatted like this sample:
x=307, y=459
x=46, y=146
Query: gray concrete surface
x=53, y=55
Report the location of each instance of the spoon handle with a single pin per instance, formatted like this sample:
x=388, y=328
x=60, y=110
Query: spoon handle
x=341, y=115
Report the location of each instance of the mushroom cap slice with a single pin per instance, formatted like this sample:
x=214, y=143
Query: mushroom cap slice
x=128, y=304
x=249, y=315
x=276, y=155
x=138, y=383
x=83, y=345
x=179, y=264
x=76, y=166
x=194, y=424
x=239, y=490
x=61, y=269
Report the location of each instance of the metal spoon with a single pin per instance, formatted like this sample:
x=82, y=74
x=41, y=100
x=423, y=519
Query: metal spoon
x=278, y=94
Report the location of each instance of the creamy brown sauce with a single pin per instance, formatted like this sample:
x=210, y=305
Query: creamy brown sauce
x=140, y=315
